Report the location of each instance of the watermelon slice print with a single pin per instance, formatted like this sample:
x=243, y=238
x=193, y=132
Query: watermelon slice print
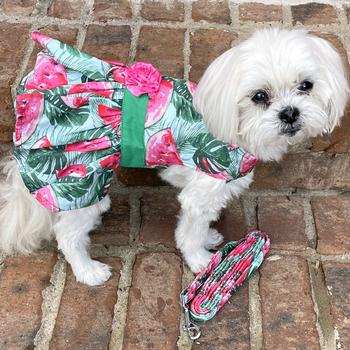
x=29, y=108
x=111, y=162
x=100, y=88
x=42, y=39
x=48, y=74
x=158, y=104
x=161, y=149
x=110, y=116
x=191, y=87
x=47, y=198
x=87, y=146
x=247, y=164
x=44, y=142
x=75, y=102
x=75, y=170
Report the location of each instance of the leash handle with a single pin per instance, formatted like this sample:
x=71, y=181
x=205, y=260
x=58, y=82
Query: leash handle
x=227, y=270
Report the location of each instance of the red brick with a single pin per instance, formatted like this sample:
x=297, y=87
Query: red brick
x=62, y=33
x=230, y=327
x=206, y=45
x=337, y=279
x=161, y=11
x=70, y=9
x=85, y=316
x=332, y=219
x=108, y=42
x=158, y=218
x=106, y=9
x=7, y=121
x=282, y=218
x=153, y=310
x=115, y=224
x=22, y=281
x=154, y=47
x=314, y=171
x=232, y=223
x=18, y=7
x=139, y=177
x=338, y=141
x=12, y=42
x=314, y=13
x=211, y=11
x=288, y=315
x=260, y=12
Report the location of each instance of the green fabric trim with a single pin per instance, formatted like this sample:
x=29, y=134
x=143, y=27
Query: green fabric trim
x=134, y=111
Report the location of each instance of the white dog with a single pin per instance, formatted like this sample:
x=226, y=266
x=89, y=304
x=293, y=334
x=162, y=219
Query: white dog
x=274, y=90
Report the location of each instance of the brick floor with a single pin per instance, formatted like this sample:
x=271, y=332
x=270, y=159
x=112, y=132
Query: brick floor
x=305, y=195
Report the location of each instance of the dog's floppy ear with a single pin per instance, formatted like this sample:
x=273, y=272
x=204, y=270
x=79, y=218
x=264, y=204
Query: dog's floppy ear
x=216, y=96
x=337, y=92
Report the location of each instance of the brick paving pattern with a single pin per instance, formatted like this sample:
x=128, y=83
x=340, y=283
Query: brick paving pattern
x=300, y=297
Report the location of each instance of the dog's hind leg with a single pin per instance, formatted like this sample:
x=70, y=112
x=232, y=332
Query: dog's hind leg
x=72, y=233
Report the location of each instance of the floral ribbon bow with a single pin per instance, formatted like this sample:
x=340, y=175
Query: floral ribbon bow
x=228, y=269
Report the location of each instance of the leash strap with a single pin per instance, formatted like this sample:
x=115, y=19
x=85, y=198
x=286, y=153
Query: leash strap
x=227, y=270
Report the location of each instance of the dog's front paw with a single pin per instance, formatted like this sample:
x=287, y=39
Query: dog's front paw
x=198, y=260
x=214, y=239
x=94, y=273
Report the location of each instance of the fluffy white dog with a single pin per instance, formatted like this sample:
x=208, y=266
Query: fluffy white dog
x=274, y=90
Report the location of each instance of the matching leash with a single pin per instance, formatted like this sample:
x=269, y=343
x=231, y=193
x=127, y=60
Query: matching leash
x=227, y=270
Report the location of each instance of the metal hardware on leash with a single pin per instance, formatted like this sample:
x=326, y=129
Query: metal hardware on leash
x=190, y=327
x=110, y=70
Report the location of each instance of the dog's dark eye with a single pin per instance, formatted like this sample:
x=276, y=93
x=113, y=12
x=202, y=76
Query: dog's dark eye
x=261, y=97
x=305, y=86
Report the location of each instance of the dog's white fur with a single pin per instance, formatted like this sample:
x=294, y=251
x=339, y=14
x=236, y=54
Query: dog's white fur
x=272, y=59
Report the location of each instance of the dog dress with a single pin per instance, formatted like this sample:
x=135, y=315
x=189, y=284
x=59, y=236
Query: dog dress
x=78, y=118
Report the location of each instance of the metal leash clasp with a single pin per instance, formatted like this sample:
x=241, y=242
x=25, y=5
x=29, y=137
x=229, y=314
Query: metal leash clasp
x=190, y=327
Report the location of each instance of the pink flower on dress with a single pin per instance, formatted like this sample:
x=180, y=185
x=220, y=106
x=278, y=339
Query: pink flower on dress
x=75, y=102
x=142, y=78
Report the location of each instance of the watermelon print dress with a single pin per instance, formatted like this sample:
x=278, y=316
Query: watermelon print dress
x=78, y=118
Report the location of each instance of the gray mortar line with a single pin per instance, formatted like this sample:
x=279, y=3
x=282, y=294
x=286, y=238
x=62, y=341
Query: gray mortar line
x=322, y=307
x=41, y=7
x=184, y=342
x=296, y=193
x=255, y=314
x=86, y=18
x=135, y=216
x=309, y=222
x=286, y=16
x=250, y=208
x=50, y=305
x=121, y=307
x=187, y=42
x=22, y=66
x=234, y=14
x=135, y=26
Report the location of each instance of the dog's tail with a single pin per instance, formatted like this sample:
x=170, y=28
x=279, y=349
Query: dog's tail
x=24, y=223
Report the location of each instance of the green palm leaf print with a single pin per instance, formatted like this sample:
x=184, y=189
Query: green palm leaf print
x=212, y=155
x=47, y=160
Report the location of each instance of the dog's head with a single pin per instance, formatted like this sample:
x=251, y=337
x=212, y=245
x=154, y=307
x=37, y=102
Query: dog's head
x=274, y=89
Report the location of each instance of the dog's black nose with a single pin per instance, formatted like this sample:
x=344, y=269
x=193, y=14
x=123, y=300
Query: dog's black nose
x=289, y=114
